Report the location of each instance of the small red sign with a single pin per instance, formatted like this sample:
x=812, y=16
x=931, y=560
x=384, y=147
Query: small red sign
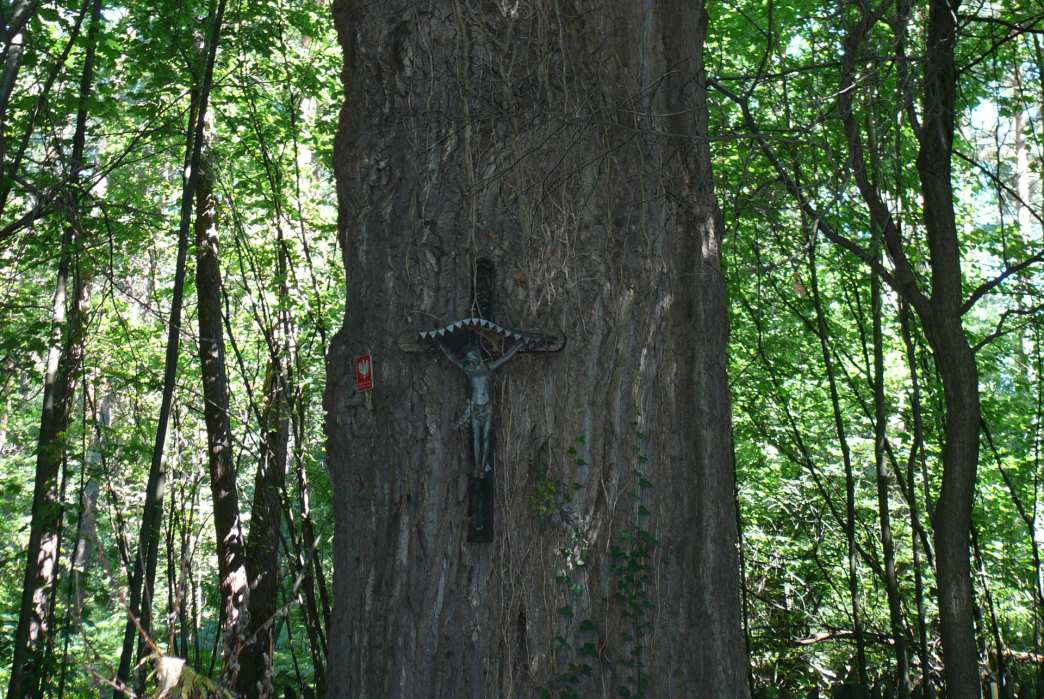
x=364, y=373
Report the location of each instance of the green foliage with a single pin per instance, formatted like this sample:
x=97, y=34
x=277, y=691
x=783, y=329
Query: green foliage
x=176, y=679
x=783, y=61
x=547, y=497
x=629, y=562
x=274, y=103
x=631, y=566
x=575, y=645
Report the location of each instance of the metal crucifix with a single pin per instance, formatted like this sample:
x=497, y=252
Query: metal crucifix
x=478, y=346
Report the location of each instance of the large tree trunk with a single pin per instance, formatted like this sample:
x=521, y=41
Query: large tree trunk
x=566, y=143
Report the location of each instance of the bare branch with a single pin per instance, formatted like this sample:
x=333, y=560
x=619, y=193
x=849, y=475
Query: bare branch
x=879, y=213
x=795, y=190
x=1000, y=330
x=988, y=286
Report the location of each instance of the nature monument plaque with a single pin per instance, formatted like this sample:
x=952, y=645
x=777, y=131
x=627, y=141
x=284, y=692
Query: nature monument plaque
x=477, y=345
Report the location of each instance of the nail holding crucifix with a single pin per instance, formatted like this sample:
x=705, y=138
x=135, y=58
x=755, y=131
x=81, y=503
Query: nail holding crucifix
x=478, y=346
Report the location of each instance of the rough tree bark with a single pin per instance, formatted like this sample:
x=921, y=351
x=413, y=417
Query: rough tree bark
x=567, y=143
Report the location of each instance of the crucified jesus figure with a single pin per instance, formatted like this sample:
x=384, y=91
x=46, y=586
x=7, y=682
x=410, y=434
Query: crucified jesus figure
x=480, y=401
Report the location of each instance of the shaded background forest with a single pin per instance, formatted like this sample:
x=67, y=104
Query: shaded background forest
x=832, y=429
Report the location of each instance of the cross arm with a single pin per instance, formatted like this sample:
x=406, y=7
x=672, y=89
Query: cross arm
x=519, y=345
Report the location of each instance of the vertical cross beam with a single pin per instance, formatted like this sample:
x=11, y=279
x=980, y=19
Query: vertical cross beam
x=480, y=488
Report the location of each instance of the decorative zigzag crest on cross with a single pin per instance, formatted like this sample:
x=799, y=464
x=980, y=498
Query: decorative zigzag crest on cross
x=535, y=341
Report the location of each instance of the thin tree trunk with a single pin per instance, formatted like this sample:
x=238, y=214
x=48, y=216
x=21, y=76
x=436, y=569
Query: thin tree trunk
x=994, y=627
x=96, y=462
x=86, y=526
x=953, y=357
x=293, y=653
x=1038, y=569
x=178, y=509
x=47, y=666
x=63, y=362
x=1022, y=179
x=72, y=584
x=940, y=313
x=301, y=550
x=895, y=611
x=144, y=569
x=231, y=550
x=9, y=171
x=309, y=545
x=846, y=456
x=1028, y=518
x=13, y=21
x=275, y=426
x=270, y=490
x=317, y=647
x=197, y=645
x=255, y=677
x=916, y=452
x=1023, y=207
x=185, y=564
x=172, y=572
